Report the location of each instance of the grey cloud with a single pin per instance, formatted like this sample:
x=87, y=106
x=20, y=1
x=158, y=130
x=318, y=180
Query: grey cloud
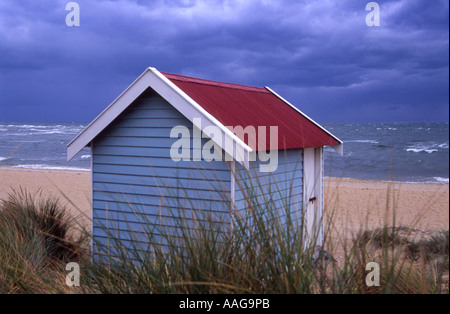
x=321, y=55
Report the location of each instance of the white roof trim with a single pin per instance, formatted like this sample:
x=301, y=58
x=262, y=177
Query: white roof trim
x=177, y=98
x=227, y=135
x=339, y=147
x=106, y=117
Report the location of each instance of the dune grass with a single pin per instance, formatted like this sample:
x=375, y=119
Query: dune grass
x=259, y=253
x=36, y=238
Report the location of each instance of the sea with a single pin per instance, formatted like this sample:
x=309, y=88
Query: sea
x=403, y=151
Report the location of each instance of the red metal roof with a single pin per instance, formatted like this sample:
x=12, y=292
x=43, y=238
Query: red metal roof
x=240, y=105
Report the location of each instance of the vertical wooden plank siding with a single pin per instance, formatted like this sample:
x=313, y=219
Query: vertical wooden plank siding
x=140, y=194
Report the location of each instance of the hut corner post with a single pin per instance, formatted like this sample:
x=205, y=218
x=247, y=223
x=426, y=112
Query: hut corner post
x=313, y=197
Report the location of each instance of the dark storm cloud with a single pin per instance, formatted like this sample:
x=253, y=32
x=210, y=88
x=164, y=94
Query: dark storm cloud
x=318, y=54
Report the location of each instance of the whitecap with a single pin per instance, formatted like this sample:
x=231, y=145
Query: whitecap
x=47, y=167
x=30, y=126
x=429, y=148
x=419, y=150
x=20, y=134
x=441, y=180
x=363, y=141
x=85, y=156
x=54, y=131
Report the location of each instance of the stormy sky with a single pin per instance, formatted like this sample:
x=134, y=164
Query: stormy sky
x=320, y=55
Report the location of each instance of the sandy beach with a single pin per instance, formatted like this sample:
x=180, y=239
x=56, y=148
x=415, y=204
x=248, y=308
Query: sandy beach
x=73, y=188
x=356, y=204
x=351, y=203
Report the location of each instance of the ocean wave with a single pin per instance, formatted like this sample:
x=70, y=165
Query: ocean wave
x=4, y=158
x=426, y=147
x=421, y=128
x=441, y=180
x=363, y=141
x=53, y=132
x=19, y=134
x=55, y=129
x=85, y=156
x=419, y=150
x=386, y=128
x=30, y=126
x=47, y=167
x=36, y=133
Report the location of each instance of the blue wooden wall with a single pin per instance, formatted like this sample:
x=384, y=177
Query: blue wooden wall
x=277, y=194
x=139, y=193
x=142, y=198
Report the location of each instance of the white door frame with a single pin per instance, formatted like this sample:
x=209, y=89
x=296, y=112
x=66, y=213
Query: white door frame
x=313, y=196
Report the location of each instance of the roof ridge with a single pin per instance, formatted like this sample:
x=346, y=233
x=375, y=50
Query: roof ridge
x=195, y=80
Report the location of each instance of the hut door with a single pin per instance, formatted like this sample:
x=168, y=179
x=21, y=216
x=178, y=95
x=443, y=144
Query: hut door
x=312, y=200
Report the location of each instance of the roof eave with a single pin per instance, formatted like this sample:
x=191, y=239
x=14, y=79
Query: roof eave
x=338, y=147
x=152, y=78
x=97, y=125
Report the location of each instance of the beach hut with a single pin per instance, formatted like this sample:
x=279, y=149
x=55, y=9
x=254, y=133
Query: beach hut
x=182, y=143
